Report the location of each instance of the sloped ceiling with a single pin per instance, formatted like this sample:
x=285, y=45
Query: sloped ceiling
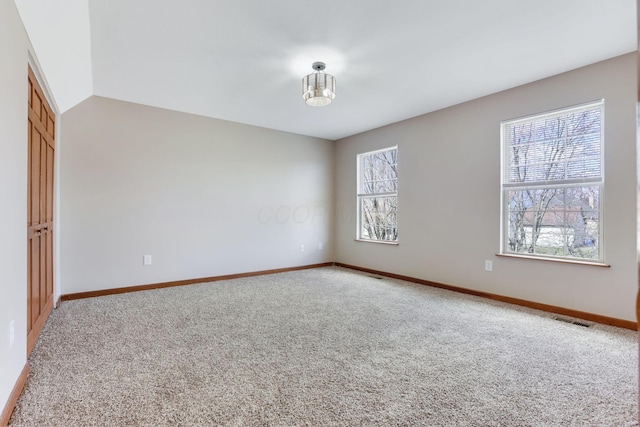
x=243, y=61
x=60, y=36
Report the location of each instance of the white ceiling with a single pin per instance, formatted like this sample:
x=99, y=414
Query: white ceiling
x=243, y=60
x=60, y=36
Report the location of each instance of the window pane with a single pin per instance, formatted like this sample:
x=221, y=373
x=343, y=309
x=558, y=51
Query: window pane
x=378, y=172
x=554, y=221
x=519, y=239
x=520, y=162
x=555, y=148
x=553, y=171
x=379, y=218
x=520, y=134
x=584, y=122
x=550, y=129
x=585, y=168
x=583, y=217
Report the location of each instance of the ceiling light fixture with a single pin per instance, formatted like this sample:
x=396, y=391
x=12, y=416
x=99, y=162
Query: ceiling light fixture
x=318, y=88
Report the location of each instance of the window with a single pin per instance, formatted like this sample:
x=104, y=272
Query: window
x=552, y=184
x=378, y=195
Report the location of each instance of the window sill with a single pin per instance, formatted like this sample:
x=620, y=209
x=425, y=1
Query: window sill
x=561, y=260
x=381, y=242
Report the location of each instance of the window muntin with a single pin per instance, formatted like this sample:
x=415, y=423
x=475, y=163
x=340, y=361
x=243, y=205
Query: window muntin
x=552, y=184
x=378, y=195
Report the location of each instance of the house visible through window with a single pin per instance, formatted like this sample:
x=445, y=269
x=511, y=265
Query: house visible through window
x=552, y=184
x=378, y=195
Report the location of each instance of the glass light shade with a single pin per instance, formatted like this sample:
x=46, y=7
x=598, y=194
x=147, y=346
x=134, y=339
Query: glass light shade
x=318, y=89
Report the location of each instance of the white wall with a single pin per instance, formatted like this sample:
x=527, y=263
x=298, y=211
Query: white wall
x=13, y=196
x=449, y=195
x=204, y=197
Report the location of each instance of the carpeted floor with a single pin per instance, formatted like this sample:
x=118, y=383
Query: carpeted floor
x=323, y=347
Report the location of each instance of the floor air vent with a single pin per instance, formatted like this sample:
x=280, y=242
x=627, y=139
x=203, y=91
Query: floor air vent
x=574, y=322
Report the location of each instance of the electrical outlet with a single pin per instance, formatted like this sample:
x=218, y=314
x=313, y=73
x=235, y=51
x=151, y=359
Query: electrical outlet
x=12, y=332
x=146, y=260
x=301, y=248
x=320, y=246
x=488, y=265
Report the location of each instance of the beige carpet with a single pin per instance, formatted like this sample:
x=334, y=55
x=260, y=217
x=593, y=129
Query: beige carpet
x=323, y=347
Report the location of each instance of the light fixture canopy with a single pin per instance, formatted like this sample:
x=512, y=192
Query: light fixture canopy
x=318, y=88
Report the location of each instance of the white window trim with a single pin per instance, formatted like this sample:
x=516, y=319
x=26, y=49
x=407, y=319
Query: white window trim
x=504, y=187
x=360, y=196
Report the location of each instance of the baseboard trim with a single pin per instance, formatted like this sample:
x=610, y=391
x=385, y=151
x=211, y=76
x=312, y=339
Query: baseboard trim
x=103, y=292
x=13, y=397
x=612, y=321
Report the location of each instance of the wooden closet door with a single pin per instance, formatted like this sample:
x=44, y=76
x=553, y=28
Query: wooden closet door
x=40, y=212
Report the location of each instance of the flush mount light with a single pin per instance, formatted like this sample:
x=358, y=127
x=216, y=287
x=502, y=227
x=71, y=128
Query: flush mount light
x=318, y=88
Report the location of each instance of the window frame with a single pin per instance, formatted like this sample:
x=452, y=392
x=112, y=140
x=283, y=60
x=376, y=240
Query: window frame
x=360, y=196
x=506, y=186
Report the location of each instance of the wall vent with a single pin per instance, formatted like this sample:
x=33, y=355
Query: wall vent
x=574, y=322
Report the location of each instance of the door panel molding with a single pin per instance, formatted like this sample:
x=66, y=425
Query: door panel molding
x=40, y=210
